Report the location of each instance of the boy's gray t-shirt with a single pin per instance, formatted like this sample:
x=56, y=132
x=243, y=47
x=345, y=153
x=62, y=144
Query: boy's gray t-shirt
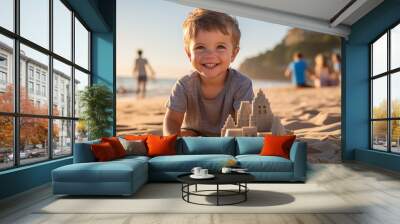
x=207, y=116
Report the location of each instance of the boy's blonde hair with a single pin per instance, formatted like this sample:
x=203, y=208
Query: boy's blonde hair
x=203, y=19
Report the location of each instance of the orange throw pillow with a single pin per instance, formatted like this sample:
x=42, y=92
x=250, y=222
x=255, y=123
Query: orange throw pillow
x=275, y=145
x=136, y=137
x=116, y=145
x=161, y=145
x=103, y=151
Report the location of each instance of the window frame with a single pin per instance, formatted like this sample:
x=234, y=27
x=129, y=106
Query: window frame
x=16, y=114
x=388, y=74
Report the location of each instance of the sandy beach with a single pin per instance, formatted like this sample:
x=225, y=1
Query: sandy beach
x=312, y=114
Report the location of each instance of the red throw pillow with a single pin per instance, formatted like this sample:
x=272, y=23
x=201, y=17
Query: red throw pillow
x=103, y=151
x=275, y=145
x=116, y=145
x=161, y=145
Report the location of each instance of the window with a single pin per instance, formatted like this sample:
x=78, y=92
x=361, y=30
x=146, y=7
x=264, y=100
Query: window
x=81, y=45
x=30, y=72
x=45, y=131
x=38, y=89
x=385, y=97
x=62, y=74
x=30, y=87
x=43, y=77
x=3, y=78
x=62, y=31
x=35, y=21
x=43, y=90
x=7, y=14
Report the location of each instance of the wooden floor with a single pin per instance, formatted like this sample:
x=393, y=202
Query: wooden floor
x=378, y=189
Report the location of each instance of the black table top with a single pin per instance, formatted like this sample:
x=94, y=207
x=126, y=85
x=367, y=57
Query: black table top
x=220, y=178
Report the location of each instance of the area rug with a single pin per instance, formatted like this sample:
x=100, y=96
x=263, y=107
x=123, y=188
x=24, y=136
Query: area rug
x=167, y=198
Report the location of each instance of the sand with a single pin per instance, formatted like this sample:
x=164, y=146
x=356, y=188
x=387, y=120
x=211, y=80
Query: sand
x=314, y=115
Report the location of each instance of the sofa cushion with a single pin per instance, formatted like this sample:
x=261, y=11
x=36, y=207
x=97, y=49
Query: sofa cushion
x=185, y=163
x=257, y=163
x=111, y=171
x=249, y=145
x=83, y=152
x=207, y=145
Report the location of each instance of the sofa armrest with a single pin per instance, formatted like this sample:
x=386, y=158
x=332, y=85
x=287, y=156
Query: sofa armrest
x=298, y=155
x=83, y=152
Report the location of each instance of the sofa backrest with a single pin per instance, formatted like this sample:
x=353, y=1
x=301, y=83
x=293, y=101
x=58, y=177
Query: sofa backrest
x=206, y=145
x=83, y=152
x=249, y=145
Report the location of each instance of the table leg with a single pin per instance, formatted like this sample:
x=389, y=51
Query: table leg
x=217, y=194
x=245, y=193
x=196, y=188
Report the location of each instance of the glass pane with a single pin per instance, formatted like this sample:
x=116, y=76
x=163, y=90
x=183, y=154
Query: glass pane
x=62, y=29
x=34, y=97
x=81, y=45
x=81, y=131
x=62, y=89
x=7, y=14
x=81, y=81
x=395, y=136
x=395, y=94
x=379, y=135
x=395, y=47
x=6, y=142
x=62, y=138
x=35, y=21
x=33, y=139
x=379, y=98
x=6, y=74
x=379, y=55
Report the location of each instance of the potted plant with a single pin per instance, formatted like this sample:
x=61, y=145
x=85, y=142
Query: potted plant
x=96, y=103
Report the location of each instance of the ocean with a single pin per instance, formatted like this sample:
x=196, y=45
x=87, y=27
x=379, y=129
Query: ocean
x=163, y=86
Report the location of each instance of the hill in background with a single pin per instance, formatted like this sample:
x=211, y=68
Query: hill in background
x=272, y=64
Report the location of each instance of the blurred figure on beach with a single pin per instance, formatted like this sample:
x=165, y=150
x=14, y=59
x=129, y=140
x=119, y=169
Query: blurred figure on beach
x=336, y=68
x=297, y=70
x=322, y=74
x=141, y=69
x=325, y=75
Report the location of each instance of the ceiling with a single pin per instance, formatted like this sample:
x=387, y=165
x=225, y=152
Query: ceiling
x=333, y=17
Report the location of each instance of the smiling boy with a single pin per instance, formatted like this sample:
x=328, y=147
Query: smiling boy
x=200, y=102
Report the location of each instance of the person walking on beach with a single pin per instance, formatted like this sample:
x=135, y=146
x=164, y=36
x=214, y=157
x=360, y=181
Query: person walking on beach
x=297, y=70
x=140, y=71
x=200, y=102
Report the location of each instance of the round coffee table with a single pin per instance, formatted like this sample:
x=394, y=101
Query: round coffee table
x=238, y=179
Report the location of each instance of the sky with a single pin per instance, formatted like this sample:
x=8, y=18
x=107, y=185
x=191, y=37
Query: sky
x=140, y=25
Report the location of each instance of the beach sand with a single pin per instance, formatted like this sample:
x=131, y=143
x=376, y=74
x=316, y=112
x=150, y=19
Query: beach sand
x=312, y=114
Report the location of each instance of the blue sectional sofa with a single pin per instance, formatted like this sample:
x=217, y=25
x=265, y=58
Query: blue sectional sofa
x=125, y=176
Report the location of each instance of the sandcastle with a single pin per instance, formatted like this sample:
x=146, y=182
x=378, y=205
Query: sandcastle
x=253, y=119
